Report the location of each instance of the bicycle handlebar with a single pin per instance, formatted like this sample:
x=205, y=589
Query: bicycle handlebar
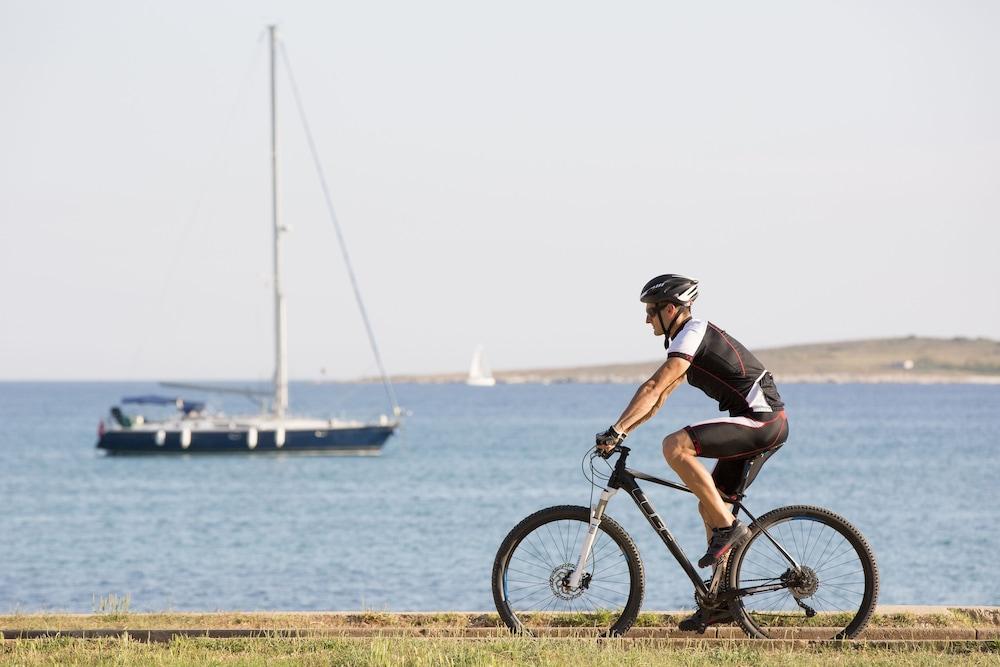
x=617, y=449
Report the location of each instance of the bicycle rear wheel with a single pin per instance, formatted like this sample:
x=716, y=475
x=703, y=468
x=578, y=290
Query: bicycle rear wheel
x=534, y=563
x=831, y=596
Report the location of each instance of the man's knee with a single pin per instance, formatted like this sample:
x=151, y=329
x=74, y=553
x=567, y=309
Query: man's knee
x=677, y=445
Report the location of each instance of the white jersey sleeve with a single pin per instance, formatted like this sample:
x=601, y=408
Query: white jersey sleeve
x=688, y=339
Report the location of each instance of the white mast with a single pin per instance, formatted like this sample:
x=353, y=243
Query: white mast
x=280, y=346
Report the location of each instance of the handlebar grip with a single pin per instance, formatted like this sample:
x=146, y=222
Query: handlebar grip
x=617, y=449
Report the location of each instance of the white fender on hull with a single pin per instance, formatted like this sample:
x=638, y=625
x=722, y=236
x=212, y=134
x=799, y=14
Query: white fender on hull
x=252, y=437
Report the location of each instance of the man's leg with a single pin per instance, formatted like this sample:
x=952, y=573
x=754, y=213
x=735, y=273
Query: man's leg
x=726, y=477
x=702, y=617
x=678, y=450
x=704, y=517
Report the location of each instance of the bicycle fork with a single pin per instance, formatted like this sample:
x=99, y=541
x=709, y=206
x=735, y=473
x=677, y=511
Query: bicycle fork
x=596, y=514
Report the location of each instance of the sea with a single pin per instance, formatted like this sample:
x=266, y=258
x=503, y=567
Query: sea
x=914, y=467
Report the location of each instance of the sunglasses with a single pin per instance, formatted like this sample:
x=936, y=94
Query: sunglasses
x=653, y=310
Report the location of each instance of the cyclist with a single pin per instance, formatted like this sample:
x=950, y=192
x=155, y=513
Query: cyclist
x=720, y=366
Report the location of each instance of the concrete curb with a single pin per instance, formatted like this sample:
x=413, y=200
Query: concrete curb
x=721, y=634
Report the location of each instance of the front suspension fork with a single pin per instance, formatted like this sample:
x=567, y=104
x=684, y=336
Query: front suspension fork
x=596, y=514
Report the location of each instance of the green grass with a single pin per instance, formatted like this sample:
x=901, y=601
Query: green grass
x=112, y=609
x=508, y=651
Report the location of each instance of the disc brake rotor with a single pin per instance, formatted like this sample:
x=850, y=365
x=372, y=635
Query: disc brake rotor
x=559, y=582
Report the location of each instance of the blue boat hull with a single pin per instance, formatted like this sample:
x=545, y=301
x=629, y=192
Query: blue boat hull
x=359, y=440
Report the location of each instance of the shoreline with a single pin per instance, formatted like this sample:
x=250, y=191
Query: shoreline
x=901, y=360
x=818, y=378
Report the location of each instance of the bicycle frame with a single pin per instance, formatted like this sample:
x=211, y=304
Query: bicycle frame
x=625, y=478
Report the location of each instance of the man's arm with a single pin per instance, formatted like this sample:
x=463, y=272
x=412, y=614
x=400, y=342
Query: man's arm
x=652, y=393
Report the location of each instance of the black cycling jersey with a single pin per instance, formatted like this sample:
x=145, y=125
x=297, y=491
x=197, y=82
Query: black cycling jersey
x=725, y=370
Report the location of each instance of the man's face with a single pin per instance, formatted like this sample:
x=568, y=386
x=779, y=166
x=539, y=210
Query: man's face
x=666, y=309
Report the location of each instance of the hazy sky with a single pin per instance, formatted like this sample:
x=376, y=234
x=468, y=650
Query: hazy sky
x=507, y=173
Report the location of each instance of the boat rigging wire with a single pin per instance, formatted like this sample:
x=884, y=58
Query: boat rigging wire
x=217, y=167
x=336, y=225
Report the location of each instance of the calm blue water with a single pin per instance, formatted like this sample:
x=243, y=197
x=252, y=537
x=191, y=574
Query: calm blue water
x=914, y=467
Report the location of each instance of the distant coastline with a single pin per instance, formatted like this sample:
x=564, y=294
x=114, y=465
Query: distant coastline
x=909, y=360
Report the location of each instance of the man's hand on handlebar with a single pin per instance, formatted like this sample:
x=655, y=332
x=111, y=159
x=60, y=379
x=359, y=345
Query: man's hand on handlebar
x=608, y=440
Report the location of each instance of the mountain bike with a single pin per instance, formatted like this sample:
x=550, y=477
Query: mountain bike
x=801, y=567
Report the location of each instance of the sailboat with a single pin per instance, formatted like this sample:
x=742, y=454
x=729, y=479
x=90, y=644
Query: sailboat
x=479, y=372
x=190, y=430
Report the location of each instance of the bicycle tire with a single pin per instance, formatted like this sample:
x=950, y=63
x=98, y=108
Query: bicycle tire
x=828, y=563
x=566, y=546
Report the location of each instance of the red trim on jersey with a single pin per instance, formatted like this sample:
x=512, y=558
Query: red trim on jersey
x=726, y=384
x=722, y=333
x=747, y=455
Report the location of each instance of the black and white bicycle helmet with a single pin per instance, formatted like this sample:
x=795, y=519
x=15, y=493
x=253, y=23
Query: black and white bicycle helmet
x=672, y=288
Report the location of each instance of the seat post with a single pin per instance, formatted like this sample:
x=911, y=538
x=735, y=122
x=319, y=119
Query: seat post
x=750, y=470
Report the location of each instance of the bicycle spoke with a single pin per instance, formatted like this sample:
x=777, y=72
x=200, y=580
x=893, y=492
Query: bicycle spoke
x=541, y=563
x=831, y=579
x=532, y=562
x=555, y=544
x=848, y=559
x=841, y=576
x=539, y=553
x=528, y=597
x=808, y=542
x=795, y=544
x=838, y=552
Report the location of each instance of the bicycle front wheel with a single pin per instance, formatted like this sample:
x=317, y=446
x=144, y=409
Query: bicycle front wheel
x=535, y=561
x=832, y=593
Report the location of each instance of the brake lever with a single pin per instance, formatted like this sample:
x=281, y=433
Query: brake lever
x=606, y=455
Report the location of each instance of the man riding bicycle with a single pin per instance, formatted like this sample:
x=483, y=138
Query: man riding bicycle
x=726, y=371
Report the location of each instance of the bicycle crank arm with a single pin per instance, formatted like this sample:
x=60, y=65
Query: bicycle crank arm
x=715, y=583
x=588, y=541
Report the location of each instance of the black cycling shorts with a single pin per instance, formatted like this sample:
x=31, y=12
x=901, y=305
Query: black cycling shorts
x=733, y=440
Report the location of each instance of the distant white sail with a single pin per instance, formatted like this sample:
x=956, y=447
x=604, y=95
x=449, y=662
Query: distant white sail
x=479, y=372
